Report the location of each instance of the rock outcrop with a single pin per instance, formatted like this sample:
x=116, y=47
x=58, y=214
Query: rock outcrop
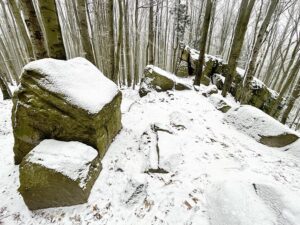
x=156, y=79
x=262, y=97
x=65, y=100
x=58, y=174
x=260, y=126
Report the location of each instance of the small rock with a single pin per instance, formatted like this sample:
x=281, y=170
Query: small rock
x=210, y=90
x=220, y=103
x=57, y=173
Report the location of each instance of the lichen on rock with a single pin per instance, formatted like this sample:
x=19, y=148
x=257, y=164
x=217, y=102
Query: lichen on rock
x=157, y=79
x=58, y=174
x=65, y=100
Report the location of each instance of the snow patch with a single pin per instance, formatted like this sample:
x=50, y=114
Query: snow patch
x=78, y=80
x=255, y=122
x=233, y=202
x=71, y=159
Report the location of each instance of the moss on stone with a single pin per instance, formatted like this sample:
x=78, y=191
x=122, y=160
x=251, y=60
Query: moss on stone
x=41, y=114
x=42, y=187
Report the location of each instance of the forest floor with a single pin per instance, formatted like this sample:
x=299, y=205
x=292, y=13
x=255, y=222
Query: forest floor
x=174, y=162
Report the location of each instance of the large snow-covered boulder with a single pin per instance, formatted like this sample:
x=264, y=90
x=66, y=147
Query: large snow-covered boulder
x=245, y=202
x=58, y=174
x=65, y=100
x=261, y=126
x=157, y=79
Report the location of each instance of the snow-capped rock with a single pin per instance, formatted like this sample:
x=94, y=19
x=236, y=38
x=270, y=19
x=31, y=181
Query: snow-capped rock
x=57, y=173
x=260, y=126
x=65, y=100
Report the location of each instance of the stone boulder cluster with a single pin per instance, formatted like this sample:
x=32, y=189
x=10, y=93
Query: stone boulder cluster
x=262, y=97
x=65, y=115
x=157, y=79
x=251, y=119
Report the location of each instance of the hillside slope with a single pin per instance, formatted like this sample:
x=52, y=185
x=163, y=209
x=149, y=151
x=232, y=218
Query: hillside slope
x=176, y=161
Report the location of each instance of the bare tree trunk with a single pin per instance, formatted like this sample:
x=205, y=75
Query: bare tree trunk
x=53, y=30
x=111, y=40
x=204, y=32
x=211, y=26
x=6, y=93
x=166, y=41
x=291, y=76
x=291, y=103
x=291, y=62
x=296, y=116
x=238, y=40
x=127, y=46
x=84, y=31
x=151, y=34
x=15, y=43
x=258, y=43
x=120, y=40
x=137, y=44
x=9, y=61
x=19, y=21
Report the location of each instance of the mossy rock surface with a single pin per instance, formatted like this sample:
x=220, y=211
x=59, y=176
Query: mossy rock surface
x=40, y=113
x=213, y=89
x=219, y=102
x=183, y=69
x=157, y=79
x=60, y=174
x=215, y=68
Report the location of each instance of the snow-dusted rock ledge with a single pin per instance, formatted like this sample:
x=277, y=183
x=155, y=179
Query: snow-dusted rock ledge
x=58, y=173
x=260, y=126
x=65, y=100
x=157, y=79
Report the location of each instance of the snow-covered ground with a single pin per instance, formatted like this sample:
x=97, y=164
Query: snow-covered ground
x=176, y=161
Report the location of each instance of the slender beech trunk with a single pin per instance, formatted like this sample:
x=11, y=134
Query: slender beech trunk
x=211, y=26
x=21, y=26
x=291, y=76
x=291, y=102
x=151, y=34
x=120, y=40
x=34, y=28
x=203, y=39
x=127, y=46
x=137, y=44
x=84, y=30
x=255, y=51
x=6, y=93
x=9, y=61
x=53, y=30
x=295, y=119
x=111, y=41
x=291, y=62
x=237, y=43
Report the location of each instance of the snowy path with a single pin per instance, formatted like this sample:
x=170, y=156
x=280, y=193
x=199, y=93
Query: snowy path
x=174, y=162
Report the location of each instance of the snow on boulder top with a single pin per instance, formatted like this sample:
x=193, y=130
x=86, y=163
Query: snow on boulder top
x=195, y=55
x=78, y=80
x=169, y=75
x=256, y=123
x=160, y=71
x=71, y=159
